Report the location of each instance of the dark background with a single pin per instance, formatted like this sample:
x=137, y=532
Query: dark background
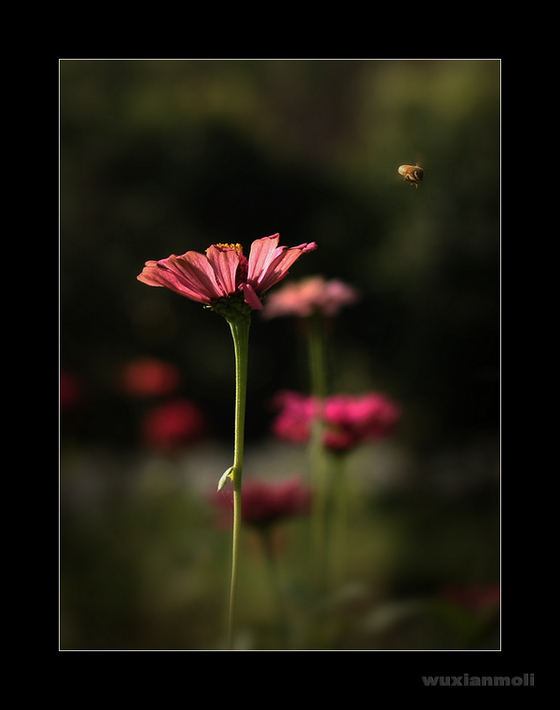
x=160, y=157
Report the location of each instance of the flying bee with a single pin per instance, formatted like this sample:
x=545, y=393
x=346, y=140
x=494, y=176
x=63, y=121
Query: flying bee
x=413, y=174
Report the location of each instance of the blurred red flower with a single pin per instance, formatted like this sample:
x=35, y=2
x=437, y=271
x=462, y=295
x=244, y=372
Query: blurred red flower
x=308, y=296
x=267, y=502
x=71, y=391
x=476, y=598
x=224, y=271
x=349, y=419
x=172, y=424
x=146, y=376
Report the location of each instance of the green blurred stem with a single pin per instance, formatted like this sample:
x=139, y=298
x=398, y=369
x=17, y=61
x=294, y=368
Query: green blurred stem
x=266, y=533
x=340, y=517
x=318, y=373
x=317, y=356
x=240, y=334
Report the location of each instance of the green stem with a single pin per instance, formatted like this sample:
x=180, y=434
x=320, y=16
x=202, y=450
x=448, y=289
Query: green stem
x=240, y=334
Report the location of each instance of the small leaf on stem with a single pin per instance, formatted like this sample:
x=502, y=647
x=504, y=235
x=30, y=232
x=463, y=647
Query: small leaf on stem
x=223, y=480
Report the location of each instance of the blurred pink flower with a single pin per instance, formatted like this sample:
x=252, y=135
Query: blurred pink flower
x=224, y=271
x=146, y=376
x=349, y=419
x=308, y=296
x=267, y=502
x=172, y=424
x=296, y=415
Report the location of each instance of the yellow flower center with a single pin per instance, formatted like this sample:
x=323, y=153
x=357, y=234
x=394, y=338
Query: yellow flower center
x=237, y=247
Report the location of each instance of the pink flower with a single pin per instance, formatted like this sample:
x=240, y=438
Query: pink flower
x=349, y=419
x=267, y=502
x=223, y=271
x=172, y=424
x=148, y=376
x=309, y=296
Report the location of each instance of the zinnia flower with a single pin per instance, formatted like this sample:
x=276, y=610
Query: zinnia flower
x=308, y=296
x=349, y=419
x=172, y=424
x=223, y=271
x=267, y=502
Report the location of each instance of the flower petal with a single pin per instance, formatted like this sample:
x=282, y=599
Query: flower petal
x=151, y=275
x=269, y=263
x=280, y=264
x=251, y=297
x=262, y=251
x=224, y=262
x=189, y=275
